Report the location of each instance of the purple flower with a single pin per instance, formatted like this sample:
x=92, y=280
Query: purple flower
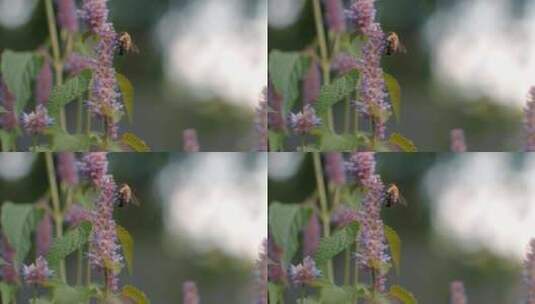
x=95, y=13
x=43, y=83
x=261, y=274
x=67, y=170
x=362, y=165
x=191, y=294
x=8, y=272
x=312, y=84
x=191, y=142
x=304, y=273
x=275, y=115
x=529, y=121
x=67, y=18
x=344, y=63
x=76, y=63
x=335, y=168
x=335, y=15
x=43, y=236
x=457, y=293
x=529, y=272
x=9, y=120
x=37, y=273
x=303, y=122
x=37, y=121
x=94, y=166
x=344, y=215
x=261, y=123
x=311, y=236
x=76, y=215
x=457, y=141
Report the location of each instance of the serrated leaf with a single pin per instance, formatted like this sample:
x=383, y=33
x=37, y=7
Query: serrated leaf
x=134, y=142
x=18, y=71
x=394, y=243
x=332, y=93
x=399, y=293
x=135, y=294
x=286, y=70
x=64, y=294
x=127, y=92
x=72, y=89
x=331, y=246
x=405, y=144
x=274, y=293
x=394, y=91
x=127, y=244
x=346, y=142
x=62, y=141
x=18, y=222
x=7, y=292
x=69, y=243
x=285, y=221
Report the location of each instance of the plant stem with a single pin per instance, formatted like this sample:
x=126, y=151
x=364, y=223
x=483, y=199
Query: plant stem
x=80, y=116
x=58, y=217
x=347, y=112
x=88, y=123
x=347, y=267
x=88, y=272
x=322, y=40
x=324, y=208
x=80, y=268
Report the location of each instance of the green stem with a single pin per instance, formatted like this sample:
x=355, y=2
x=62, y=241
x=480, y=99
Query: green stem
x=322, y=40
x=80, y=116
x=88, y=272
x=88, y=122
x=324, y=208
x=58, y=217
x=347, y=267
x=356, y=270
x=347, y=118
x=80, y=268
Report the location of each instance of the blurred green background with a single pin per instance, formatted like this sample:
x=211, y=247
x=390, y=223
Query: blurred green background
x=202, y=218
x=469, y=65
x=469, y=217
x=201, y=65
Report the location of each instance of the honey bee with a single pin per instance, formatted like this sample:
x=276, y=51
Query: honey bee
x=126, y=197
x=126, y=44
x=393, y=44
x=393, y=197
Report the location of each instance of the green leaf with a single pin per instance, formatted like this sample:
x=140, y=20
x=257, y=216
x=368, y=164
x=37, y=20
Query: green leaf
x=336, y=295
x=307, y=301
x=276, y=141
x=346, y=142
x=394, y=90
x=405, y=144
x=331, y=246
x=401, y=294
x=7, y=292
x=275, y=293
x=394, y=243
x=18, y=71
x=18, y=222
x=332, y=93
x=40, y=301
x=135, y=294
x=127, y=92
x=62, y=141
x=127, y=243
x=285, y=221
x=6, y=140
x=69, y=243
x=134, y=142
x=286, y=70
x=72, y=89
x=64, y=294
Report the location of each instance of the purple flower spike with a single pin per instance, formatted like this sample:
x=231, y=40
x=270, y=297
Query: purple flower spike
x=43, y=237
x=36, y=122
x=37, y=273
x=458, y=295
x=305, y=121
x=304, y=273
x=76, y=215
x=344, y=215
x=457, y=141
x=191, y=142
x=312, y=84
x=67, y=15
x=344, y=63
x=67, y=170
x=529, y=272
x=8, y=120
x=311, y=237
x=94, y=166
x=335, y=169
x=76, y=63
x=261, y=123
x=43, y=84
x=191, y=294
x=335, y=16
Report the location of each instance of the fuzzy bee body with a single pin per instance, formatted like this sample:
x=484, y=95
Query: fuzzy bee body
x=393, y=44
x=125, y=196
x=393, y=197
x=125, y=44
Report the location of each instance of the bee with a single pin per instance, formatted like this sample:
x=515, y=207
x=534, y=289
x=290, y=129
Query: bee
x=126, y=197
x=126, y=44
x=393, y=197
x=394, y=45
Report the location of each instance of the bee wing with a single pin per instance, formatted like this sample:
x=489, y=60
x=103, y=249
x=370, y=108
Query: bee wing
x=135, y=49
x=402, y=48
x=402, y=200
x=135, y=200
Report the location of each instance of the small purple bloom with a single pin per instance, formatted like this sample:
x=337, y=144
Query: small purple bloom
x=334, y=166
x=457, y=293
x=312, y=84
x=76, y=63
x=43, y=236
x=261, y=123
x=305, y=121
x=457, y=141
x=9, y=120
x=36, y=122
x=94, y=166
x=311, y=236
x=344, y=215
x=191, y=294
x=529, y=272
x=335, y=15
x=191, y=142
x=76, y=215
x=344, y=63
x=275, y=115
x=37, y=273
x=67, y=169
x=67, y=15
x=304, y=273
x=43, y=83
